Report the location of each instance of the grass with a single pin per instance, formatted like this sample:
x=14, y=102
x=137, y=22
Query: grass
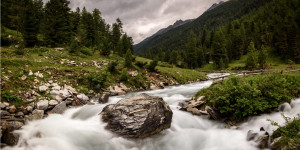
x=182, y=75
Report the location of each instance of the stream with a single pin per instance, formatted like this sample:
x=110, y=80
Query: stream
x=82, y=129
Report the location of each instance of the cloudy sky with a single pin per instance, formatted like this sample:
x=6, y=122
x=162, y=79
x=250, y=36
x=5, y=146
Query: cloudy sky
x=142, y=18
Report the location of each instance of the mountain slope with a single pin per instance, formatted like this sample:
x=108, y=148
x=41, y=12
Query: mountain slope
x=177, y=37
x=160, y=32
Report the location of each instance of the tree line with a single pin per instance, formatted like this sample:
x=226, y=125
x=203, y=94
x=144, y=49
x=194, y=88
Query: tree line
x=55, y=24
x=274, y=26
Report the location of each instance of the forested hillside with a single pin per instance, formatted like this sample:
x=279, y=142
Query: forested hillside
x=231, y=30
x=54, y=24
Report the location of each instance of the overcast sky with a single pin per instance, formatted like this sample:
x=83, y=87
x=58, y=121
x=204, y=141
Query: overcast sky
x=142, y=18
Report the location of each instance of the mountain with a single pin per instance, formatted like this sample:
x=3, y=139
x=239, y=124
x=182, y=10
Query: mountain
x=178, y=23
x=215, y=5
x=227, y=32
x=161, y=31
x=175, y=38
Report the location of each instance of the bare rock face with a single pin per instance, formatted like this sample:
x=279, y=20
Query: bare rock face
x=138, y=117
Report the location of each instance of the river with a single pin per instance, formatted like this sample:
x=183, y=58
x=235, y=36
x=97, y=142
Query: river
x=82, y=129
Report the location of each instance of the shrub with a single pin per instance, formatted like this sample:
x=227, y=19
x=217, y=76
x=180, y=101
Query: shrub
x=140, y=64
x=240, y=97
x=124, y=76
x=289, y=133
x=96, y=80
x=152, y=65
x=111, y=67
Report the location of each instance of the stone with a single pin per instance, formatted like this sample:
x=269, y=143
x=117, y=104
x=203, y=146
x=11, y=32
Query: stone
x=59, y=109
x=212, y=113
x=43, y=88
x=69, y=101
x=138, y=117
x=272, y=145
x=36, y=115
x=12, y=109
x=6, y=104
x=104, y=98
x=30, y=73
x=251, y=135
x=71, y=89
x=24, y=77
x=56, y=88
x=19, y=114
x=4, y=113
x=194, y=111
x=2, y=105
x=53, y=102
x=10, y=138
x=119, y=90
x=42, y=104
x=83, y=98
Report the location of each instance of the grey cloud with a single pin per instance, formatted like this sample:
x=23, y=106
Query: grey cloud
x=142, y=18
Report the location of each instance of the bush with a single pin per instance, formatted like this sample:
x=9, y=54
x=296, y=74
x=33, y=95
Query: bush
x=152, y=65
x=86, y=51
x=140, y=64
x=112, y=66
x=124, y=76
x=96, y=80
x=240, y=97
x=11, y=98
x=289, y=133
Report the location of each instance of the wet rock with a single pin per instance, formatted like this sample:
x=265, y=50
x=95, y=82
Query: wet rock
x=104, y=98
x=83, y=98
x=43, y=88
x=212, y=113
x=138, y=117
x=272, y=145
x=251, y=135
x=36, y=114
x=69, y=101
x=262, y=129
x=59, y=109
x=10, y=138
x=53, y=102
x=12, y=109
x=42, y=104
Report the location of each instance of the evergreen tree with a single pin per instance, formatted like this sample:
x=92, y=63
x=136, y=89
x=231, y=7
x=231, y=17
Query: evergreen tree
x=262, y=57
x=251, y=60
x=31, y=21
x=56, y=28
x=116, y=32
x=219, y=50
x=128, y=58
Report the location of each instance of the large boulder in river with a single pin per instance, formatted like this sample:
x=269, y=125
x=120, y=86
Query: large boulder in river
x=138, y=117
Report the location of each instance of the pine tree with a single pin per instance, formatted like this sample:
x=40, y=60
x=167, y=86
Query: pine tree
x=251, y=60
x=128, y=58
x=262, y=57
x=31, y=21
x=219, y=50
x=116, y=32
x=56, y=28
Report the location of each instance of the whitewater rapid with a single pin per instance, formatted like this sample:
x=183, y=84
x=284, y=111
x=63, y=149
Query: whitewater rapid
x=82, y=128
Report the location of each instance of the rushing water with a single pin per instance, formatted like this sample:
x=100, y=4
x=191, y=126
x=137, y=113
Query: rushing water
x=82, y=129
